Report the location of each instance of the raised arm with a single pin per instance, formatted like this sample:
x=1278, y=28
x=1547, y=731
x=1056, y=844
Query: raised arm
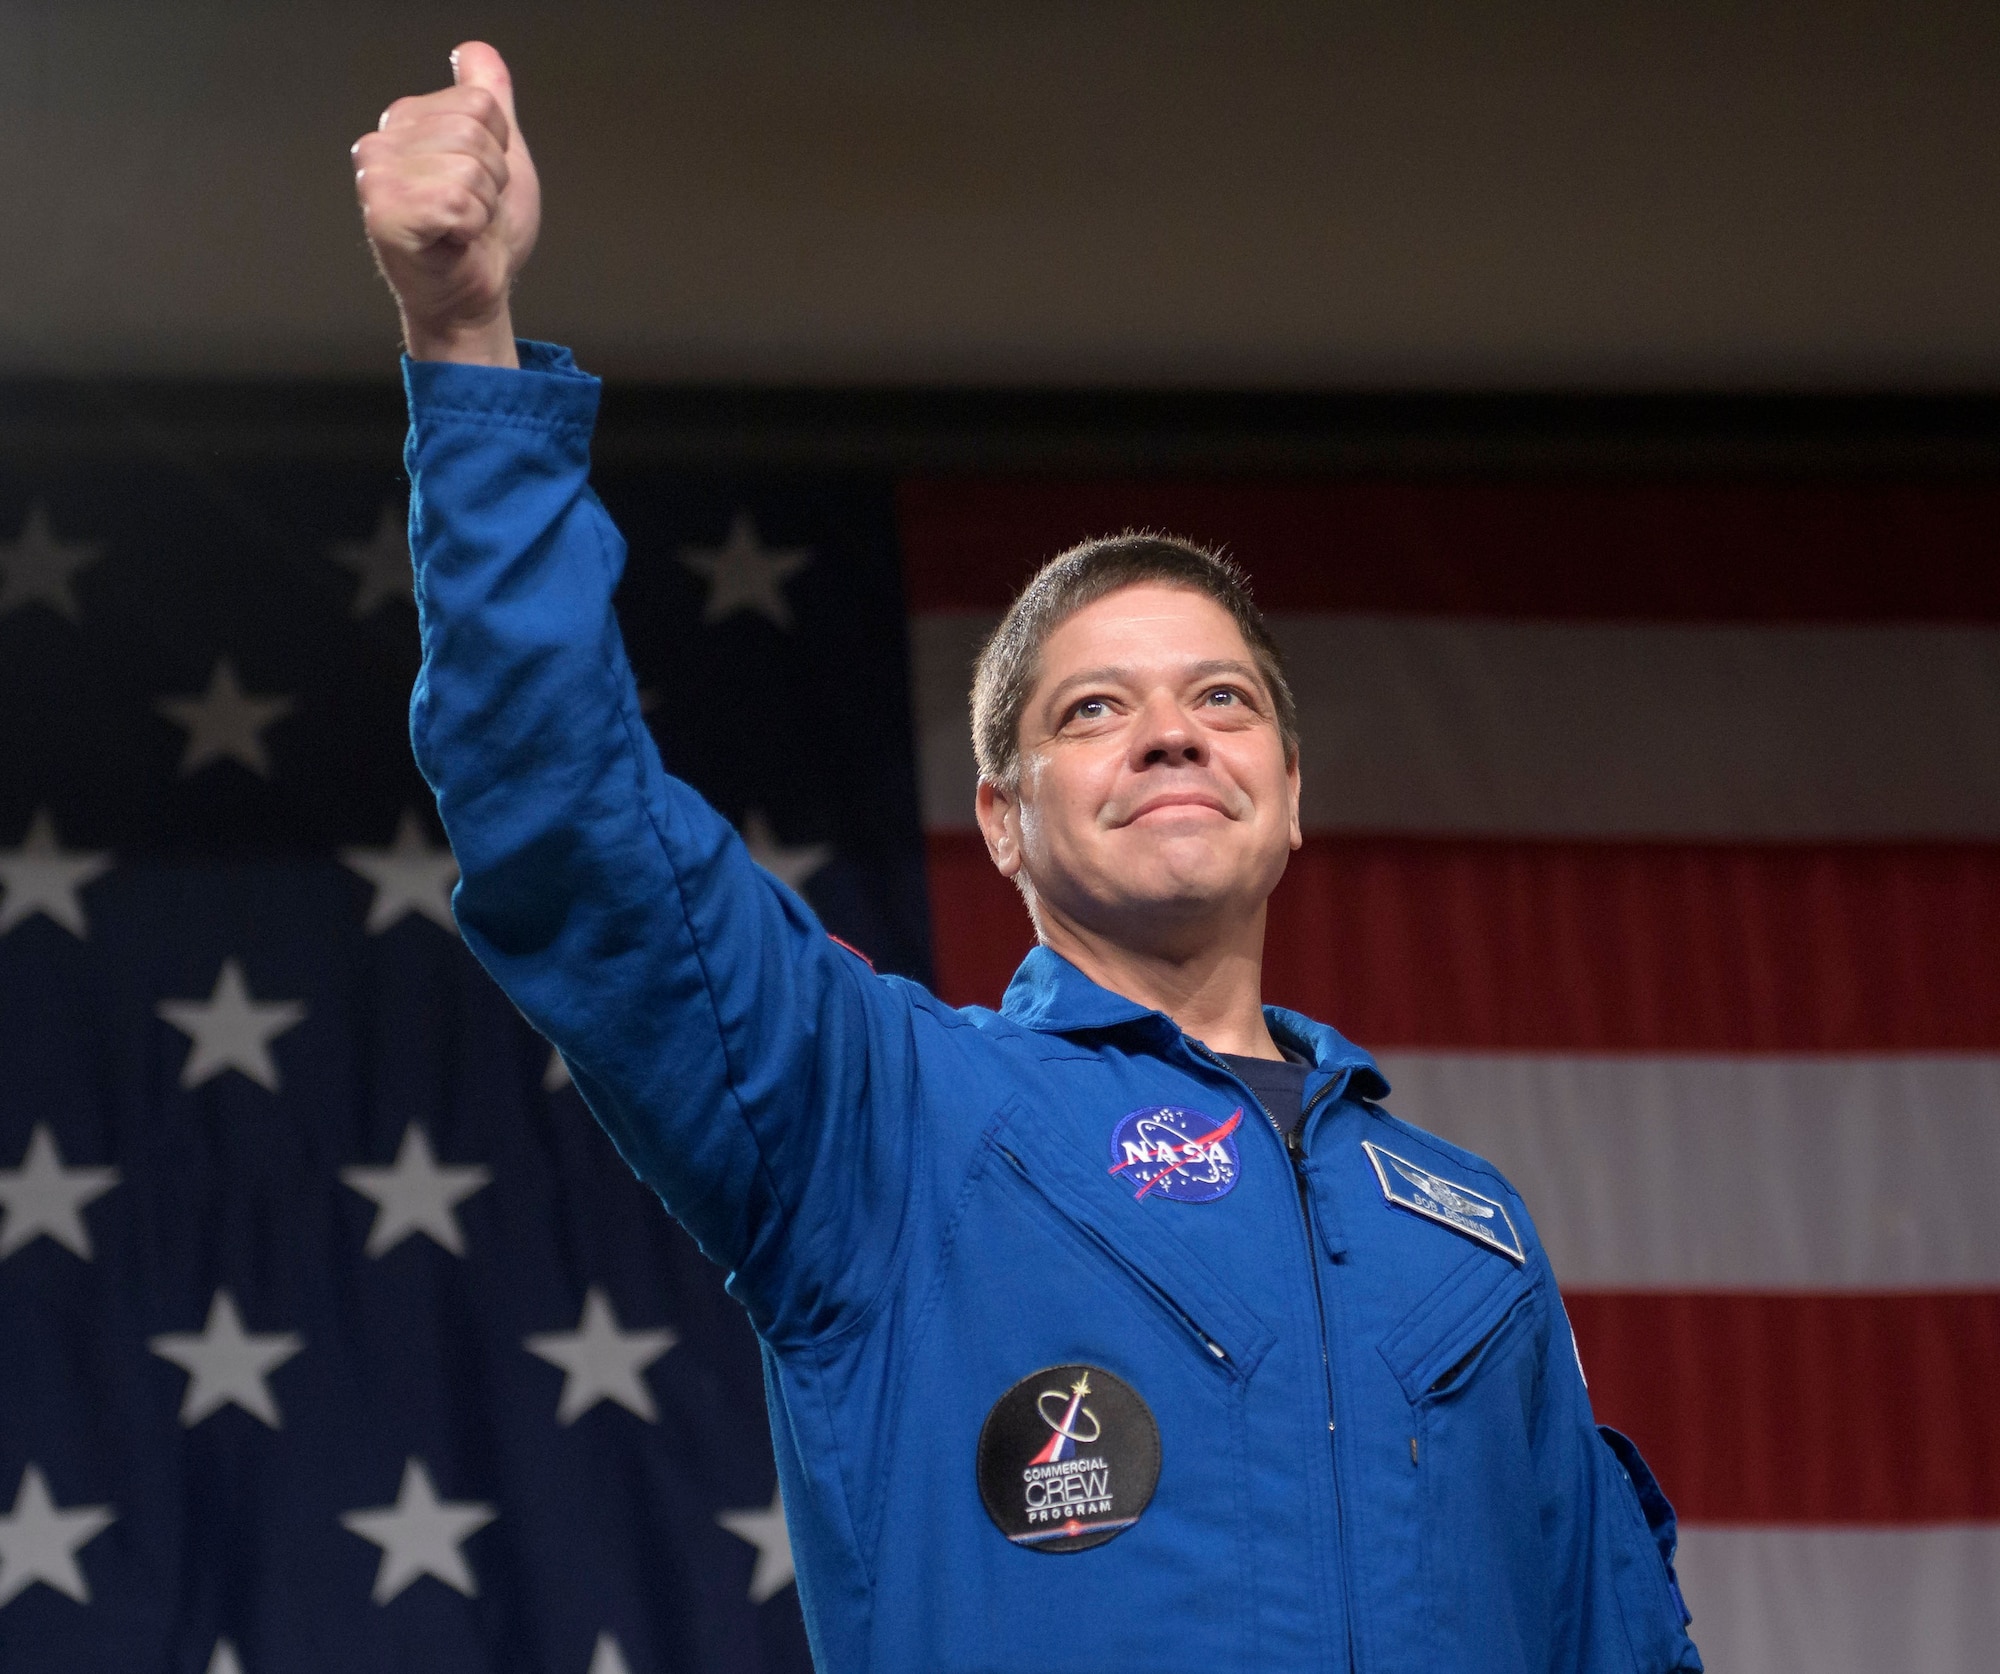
x=752, y=1072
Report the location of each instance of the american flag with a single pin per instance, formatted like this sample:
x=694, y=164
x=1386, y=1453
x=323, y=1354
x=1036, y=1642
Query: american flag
x=333, y=1334
x=1653, y=841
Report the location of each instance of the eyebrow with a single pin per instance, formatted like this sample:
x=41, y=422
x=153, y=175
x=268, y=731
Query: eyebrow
x=1114, y=674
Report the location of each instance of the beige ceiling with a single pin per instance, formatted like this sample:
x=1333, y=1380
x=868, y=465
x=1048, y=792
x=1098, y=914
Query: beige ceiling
x=1458, y=195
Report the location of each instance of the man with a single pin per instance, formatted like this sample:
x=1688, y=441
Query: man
x=1121, y=1328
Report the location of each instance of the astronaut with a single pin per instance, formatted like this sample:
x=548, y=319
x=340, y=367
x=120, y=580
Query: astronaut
x=1122, y=1327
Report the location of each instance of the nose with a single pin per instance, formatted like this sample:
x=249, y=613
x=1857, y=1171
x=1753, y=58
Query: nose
x=1166, y=736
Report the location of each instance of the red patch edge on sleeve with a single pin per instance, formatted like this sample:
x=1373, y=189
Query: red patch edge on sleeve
x=851, y=948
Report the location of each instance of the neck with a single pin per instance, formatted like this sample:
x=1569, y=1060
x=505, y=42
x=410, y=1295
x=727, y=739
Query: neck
x=1213, y=987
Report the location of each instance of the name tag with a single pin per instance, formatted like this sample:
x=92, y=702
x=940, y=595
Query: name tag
x=1408, y=1186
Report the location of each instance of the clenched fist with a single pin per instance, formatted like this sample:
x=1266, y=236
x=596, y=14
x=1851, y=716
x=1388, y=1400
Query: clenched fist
x=451, y=205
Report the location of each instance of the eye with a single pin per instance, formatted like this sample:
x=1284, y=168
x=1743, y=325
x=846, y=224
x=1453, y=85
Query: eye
x=1224, y=697
x=1089, y=709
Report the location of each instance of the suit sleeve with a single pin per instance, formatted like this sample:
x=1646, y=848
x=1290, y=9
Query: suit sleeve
x=756, y=1075
x=1613, y=1534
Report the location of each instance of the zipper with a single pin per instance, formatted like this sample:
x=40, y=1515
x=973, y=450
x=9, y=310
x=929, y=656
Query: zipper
x=1294, y=1144
x=1213, y=1349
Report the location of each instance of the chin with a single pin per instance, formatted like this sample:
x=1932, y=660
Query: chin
x=1180, y=891
x=1194, y=885
x=1168, y=878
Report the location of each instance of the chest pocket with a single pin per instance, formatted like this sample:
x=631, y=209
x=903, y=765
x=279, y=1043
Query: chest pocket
x=1465, y=1358
x=1162, y=1275
x=1047, y=1281
x=1440, y=1346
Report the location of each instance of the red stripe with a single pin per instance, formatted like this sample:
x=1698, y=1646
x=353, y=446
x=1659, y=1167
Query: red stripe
x=1818, y=551
x=1804, y=1409
x=979, y=928
x=1583, y=947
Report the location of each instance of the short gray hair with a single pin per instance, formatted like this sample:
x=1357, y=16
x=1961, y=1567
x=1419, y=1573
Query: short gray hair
x=1004, y=677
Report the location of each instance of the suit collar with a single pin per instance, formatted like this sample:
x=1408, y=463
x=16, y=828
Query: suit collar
x=1051, y=996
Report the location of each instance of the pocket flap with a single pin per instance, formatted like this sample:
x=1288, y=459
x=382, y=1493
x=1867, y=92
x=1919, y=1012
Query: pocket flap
x=1444, y=1331
x=1150, y=1250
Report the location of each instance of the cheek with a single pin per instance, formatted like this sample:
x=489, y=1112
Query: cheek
x=1059, y=803
x=1040, y=804
x=1259, y=769
x=1032, y=830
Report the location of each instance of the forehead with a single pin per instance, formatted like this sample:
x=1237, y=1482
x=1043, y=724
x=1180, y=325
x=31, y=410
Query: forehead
x=1149, y=626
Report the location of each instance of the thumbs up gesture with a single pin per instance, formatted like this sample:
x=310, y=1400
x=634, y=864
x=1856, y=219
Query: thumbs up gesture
x=451, y=206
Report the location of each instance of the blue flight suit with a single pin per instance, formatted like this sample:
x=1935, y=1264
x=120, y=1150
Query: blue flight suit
x=1375, y=1450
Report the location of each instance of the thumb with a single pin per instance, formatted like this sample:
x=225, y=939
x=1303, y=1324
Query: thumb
x=475, y=64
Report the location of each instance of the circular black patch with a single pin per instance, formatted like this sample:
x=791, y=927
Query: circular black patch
x=1068, y=1459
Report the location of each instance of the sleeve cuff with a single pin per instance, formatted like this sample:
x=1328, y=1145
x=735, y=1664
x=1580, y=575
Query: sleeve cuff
x=548, y=391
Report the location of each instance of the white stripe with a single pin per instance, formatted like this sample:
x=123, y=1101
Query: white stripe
x=1764, y=1173
x=1591, y=729
x=1844, y=1601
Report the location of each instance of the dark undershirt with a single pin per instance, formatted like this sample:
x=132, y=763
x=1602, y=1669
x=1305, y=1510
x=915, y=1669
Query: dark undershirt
x=1280, y=1086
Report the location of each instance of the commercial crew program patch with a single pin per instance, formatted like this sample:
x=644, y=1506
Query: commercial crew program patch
x=1180, y=1155
x=1480, y=1218
x=1068, y=1459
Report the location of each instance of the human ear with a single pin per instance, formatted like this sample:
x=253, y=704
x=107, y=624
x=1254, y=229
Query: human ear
x=1000, y=824
x=1292, y=786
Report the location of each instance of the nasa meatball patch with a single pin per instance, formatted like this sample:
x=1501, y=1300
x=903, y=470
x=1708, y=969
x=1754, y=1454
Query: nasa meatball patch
x=1180, y=1155
x=1068, y=1459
